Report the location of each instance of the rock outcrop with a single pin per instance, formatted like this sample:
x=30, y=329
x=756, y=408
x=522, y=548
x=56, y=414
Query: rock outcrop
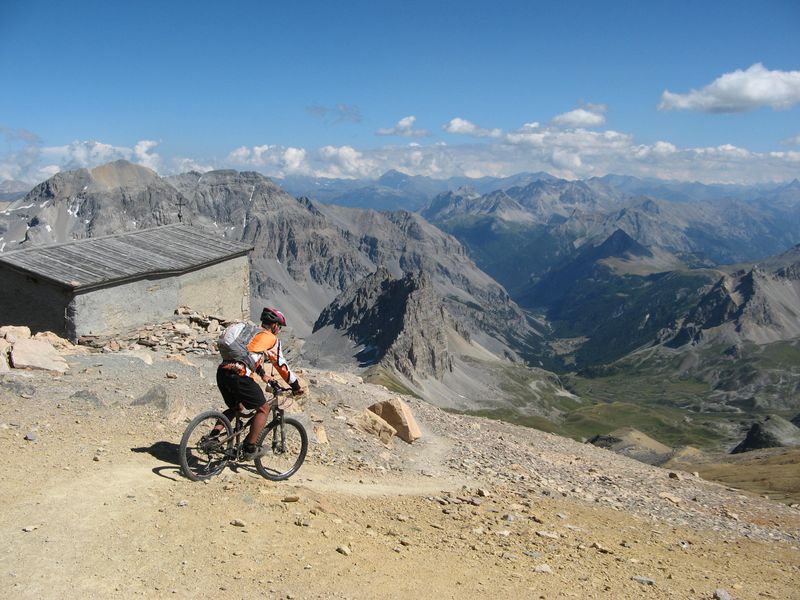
x=400, y=323
x=632, y=443
x=755, y=305
x=770, y=432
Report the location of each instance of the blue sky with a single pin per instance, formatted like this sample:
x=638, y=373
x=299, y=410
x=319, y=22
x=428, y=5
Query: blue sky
x=705, y=91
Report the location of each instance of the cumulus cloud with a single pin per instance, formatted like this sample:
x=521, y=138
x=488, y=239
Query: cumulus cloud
x=344, y=161
x=183, y=164
x=463, y=127
x=739, y=91
x=591, y=116
x=792, y=141
x=277, y=160
x=405, y=128
x=144, y=155
x=25, y=158
x=569, y=152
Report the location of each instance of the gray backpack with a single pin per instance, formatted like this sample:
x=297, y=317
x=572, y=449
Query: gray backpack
x=233, y=343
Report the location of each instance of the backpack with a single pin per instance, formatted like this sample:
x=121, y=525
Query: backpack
x=233, y=343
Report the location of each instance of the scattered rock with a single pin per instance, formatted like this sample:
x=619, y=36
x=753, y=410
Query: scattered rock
x=369, y=422
x=600, y=548
x=31, y=436
x=5, y=348
x=543, y=568
x=37, y=354
x=721, y=594
x=344, y=550
x=238, y=523
x=30, y=528
x=643, y=580
x=320, y=435
x=14, y=333
x=87, y=396
x=398, y=415
x=156, y=395
x=670, y=497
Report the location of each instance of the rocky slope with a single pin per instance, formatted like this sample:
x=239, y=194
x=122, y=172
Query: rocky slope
x=474, y=508
x=399, y=323
x=747, y=306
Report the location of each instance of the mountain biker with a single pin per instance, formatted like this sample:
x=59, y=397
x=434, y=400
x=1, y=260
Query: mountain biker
x=237, y=384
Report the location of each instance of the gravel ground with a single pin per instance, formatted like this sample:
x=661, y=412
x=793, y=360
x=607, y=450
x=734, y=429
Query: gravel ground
x=94, y=504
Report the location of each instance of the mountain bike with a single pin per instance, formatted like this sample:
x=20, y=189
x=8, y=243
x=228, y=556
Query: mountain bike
x=204, y=454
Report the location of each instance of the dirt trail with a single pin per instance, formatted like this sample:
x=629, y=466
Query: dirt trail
x=94, y=506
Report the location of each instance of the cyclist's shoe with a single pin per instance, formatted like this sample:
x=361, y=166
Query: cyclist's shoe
x=257, y=452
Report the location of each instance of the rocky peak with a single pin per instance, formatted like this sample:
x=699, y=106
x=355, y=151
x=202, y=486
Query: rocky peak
x=754, y=305
x=400, y=323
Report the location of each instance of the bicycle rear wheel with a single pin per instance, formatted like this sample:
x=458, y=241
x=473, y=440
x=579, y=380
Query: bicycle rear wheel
x=285, y=448
x=201, y=456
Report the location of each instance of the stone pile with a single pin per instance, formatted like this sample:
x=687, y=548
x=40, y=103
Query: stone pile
x=190, y=333
x=20, y=350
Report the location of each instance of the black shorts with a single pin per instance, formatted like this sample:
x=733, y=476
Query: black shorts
x=237, y=389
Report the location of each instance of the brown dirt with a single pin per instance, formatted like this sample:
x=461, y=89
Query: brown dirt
x=95, y=506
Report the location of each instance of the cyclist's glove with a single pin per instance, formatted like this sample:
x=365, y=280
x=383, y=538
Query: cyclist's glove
x=296, y=389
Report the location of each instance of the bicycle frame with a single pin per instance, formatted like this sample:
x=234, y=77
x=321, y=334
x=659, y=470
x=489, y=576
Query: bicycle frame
x=243, y=419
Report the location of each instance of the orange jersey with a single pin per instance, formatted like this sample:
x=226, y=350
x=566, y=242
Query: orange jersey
x=266, y=345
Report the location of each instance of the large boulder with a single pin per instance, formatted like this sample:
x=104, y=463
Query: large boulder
x=37, y=354
x=54, y=340
x=13, y=333
x=397, y=414
x=770, y=432
x=369, y=422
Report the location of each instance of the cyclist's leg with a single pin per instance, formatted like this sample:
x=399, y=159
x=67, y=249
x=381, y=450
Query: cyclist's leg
x=227, y=382
x=252, y=397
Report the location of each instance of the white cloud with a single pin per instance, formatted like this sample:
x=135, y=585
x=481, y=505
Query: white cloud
x=792, y=141
x=144, y=156
x=277, y=160
x=463, y=127
x=182, y=164
x=565, y=152
x=740, y=91
x=405, y=127
x=591, y=116
x=85, y=154
x=344, y=161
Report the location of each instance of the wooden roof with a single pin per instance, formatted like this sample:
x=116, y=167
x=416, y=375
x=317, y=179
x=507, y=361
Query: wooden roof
x=95, y=262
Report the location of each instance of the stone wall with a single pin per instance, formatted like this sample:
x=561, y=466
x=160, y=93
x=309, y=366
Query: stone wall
x=29, y=300
x=221, y=289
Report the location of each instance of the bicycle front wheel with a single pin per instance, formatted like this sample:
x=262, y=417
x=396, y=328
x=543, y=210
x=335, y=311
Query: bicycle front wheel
x=285, y=449
x=201, y=455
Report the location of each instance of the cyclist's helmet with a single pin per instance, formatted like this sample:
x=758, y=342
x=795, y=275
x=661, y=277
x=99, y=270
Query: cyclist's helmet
x=272, y=315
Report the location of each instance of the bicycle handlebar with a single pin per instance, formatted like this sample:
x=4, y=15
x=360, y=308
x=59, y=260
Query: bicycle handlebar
x=277, y=389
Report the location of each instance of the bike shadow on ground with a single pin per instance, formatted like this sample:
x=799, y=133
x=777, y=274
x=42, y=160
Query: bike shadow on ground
x=165, y=452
